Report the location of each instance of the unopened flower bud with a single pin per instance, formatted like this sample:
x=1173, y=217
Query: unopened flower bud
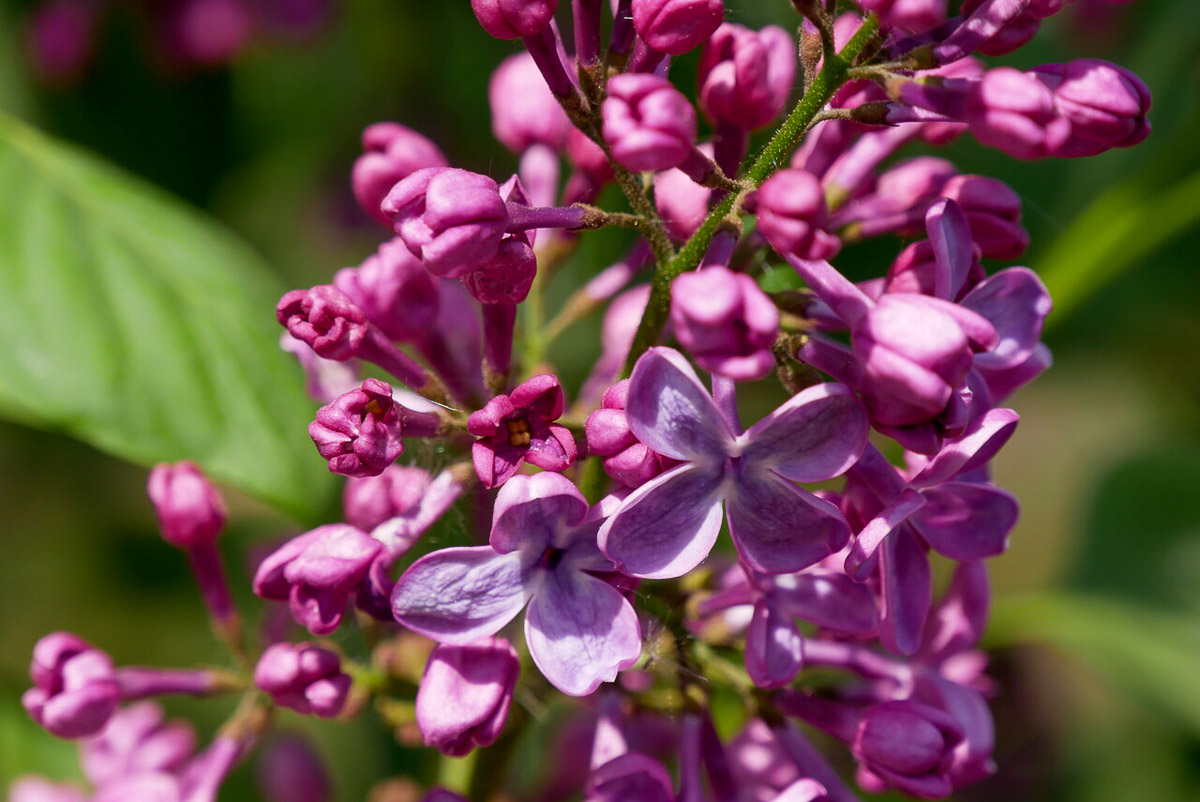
x=360, y=431
x=524, y=110
x=677, y=26
x=909, y=746
x=792, y=215
x=993, y=211
x=303, y=677
x=75, y=686
x=394, y=290
x=190, y=511
x=505, y=278
x=512, y=19
x=624, y=458
x=370, y=500
x=465, y=694
x=1014, y=112
x=61, y=39
x=290, y=770
x=391, y=153
x=746, y=76
x=648, y=123
x=725, y=321
x=325, y=319
x=1105, y=105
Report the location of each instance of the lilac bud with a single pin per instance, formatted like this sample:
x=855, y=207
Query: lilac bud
x=75, y=686
x=289, y=770
x=677, y=26
x=394, y=290
x=325, y=319
x=190, y=511
x=360, y=431
x=507, y=277
x=792, y=215
x=137, y=739
x=371, y=500
x=35, y=789
x=681, y=202
x=911, y=15
x=464, y=696
x=524, y=111
x=317, y=573
x=519, y=427
x=746, y=76
x=726, y=322
x=391, y=153
x=60, y=38
x=1014, y=112
x=305, y=678
x=452, y=219
x=993, y=211
x=1105, y=105
x=624, y=458
x=513, y=19
x=908, y=745
x=648, y=123
x=205, y=32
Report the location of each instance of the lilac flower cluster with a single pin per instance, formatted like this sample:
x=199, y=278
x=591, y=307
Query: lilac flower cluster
x=599, y=522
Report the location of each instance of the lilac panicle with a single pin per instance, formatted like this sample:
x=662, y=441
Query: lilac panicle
x=726, y=322
x=676, y=26
x=519, y=427
x=580, y=630
x=465, y=693
x=75, y=689
x=303, y=677
x=391, y=152
x=316, y=573
x=668, y=526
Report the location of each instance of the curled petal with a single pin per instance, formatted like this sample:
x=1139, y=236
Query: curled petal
x=774, y=648
x=581, y=631
x=816, y=435
x=667, y=526
x=461, y=595
x=860, y=562
x=907, y=592
x=829, y=600
x=983, y=438
x=965, y=520
x=671, y=412
x=1016, y=302
x=779, y=528
x=953, y=248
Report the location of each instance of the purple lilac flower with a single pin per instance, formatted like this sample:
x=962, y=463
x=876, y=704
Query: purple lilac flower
x=580, y=630
x=517, y=428
x=912, y=15
x=391, y=152
x=75, y=689
x=465, y=693
x=793, y=217
x=726, y=322
x=668, y=526
x=359, y=433
x=510, y=19
x=394, y=290
x=190, y=511
x=746, y=76
x=648, y=123
x=676, y=26
x=303, y=677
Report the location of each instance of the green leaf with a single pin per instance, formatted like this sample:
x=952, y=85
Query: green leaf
x=143, y=328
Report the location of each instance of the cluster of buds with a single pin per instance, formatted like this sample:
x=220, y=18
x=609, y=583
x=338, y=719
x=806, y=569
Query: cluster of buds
x=576, y=505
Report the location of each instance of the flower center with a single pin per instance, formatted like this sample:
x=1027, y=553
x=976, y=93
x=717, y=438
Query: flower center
x=518, y=432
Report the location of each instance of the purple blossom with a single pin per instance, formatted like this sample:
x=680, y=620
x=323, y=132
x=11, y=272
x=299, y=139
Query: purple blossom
x=793, y=217
x=289, y=770
x=190, y=511
x=580, y=630
x=648, y=123
x=624, y=457
x=325, y=319
x=359, y=433
x=391, y=152
x=746, y=76
x=368, y=501
x=518, y=427
x=394, y=290
x=726, y=322
x=668, y=526
x=136, y=740
x=524, y=111
x=511, y=19
x=303, y=677
x=676, y=26
x=75, y=689
x=465, y=693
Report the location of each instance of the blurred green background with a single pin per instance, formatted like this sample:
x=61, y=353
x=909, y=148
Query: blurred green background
x=1097, y=618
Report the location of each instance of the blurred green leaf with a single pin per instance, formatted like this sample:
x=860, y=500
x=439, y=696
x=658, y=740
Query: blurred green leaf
x=143, y=328
x=1153, y=655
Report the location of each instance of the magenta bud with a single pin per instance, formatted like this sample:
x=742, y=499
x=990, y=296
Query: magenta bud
x=452, y=219
x=682, y=203
x=513, y=19
x=205, y=32
x=60, y=37
x=909, y=746
x=623, y=456
x=648, y=123
x=137, y=739
x=360, y=431
x=190, y=511
x=726, y=322
x=394, y=290
x=1104, y=104
x=746, y=76
x=317, y=573
x=290, y=770
x=1014, y=112
x=325, y=319
x=465, y=694
x=519, y=427
x=911, y=15
x=391, y=153
x=524, y=110
x=75, y=686
x=370, y=500
x=507, y=276
x=677, y=26
x=792, y=215
x=305, y=678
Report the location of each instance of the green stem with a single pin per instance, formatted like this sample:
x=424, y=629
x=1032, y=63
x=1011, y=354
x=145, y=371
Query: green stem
x=831, y=78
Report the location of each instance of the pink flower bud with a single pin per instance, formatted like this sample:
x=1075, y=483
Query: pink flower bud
x=394, y=290
x=465, y=694
x=305, y=678
x=1014, y=111
x=676, y=26
x=993, y=211
x=391, y=153
x=524, y=111
x=1105, y=105
x=911, y=15
x=726, y=322
x=792, y=215
x=624, y=457
x=648, y=123
x=60, y=37
x=909, y=746
x=325, y=319
x=75, y=686
x=190, y=511
x=681, y=202
x=371, y=500
x=512, y=19
x=746, y=76
x=507, y=277
x=360, y=431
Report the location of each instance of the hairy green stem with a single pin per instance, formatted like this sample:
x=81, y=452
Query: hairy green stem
x=831, y=78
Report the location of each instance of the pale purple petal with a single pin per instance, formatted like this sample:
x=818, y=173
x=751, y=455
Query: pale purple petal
x=631, y=777
x=581, y=631
x=1016, y=303
x=953, y=248
x=814, y=436
x=667, y=526
x=829, y=600
x=779, y=528
x=859, y=562
x=774, y=648
x=531, y=511
x=461, y=595
x=965, y=520
x=671, y=412
x=907, y=591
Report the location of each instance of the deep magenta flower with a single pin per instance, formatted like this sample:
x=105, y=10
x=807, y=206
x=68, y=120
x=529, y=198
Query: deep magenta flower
x=359, y=433
x=190, y=511
x=648, y=123
x=512, y=19
x=391, y=152
x=668, y=526
x=507, y=277
x=464, y=695
x=317, y=573
x=394, y=290
x=676, y=26
x=631, y=776
x=792, y=215
x=75, y=689
x=912, y=15
x=303, y=677
x=725, y=321
x=746, y=76
x=519, y=427
x=1014, y=111
x=325, y=319
x=580, y=630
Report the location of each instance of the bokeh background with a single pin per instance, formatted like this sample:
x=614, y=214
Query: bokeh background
x=1096, y=632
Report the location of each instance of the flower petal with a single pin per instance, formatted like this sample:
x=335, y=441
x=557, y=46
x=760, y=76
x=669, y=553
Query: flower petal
x=907, y=591
x=530, y=511
x=1015, y=302
x=978, y=444
x=461, y=595
x=581, y=632
x=779, y=528
x=774, y=648
x=965, y=520
x=831, y=600
x=814, y=436
x=953, y=248
x=670, y=411
x=667, y=526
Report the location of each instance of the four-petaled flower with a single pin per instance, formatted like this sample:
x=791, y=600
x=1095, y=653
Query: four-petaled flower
x=517, y=428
